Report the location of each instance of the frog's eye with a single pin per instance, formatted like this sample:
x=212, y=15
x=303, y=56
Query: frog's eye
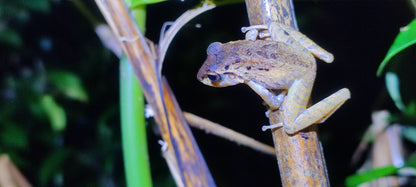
x=214, y=78
x=214, y=48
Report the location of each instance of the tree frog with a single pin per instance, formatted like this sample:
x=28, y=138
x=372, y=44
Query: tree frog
x=279, y=70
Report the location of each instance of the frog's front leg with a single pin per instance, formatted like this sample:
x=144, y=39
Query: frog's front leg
x=274, y=101
x=297, y=118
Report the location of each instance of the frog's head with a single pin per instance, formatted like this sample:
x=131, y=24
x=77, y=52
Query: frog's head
x=216, y=71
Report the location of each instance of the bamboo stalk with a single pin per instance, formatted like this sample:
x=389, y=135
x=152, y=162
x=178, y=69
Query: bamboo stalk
x=133, y=130
x=300, y=158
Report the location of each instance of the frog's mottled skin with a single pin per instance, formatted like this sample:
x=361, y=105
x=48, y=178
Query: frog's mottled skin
x=273, y=65
x=283, y=33
x=268, y=66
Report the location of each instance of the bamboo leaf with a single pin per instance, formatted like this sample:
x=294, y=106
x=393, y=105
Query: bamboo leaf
x=404, y=39
x=409, y=133
x=69, y=84
x=10, y=37
x=411, y=109
x=411, y=161
x=134, y=3
x=37, y=5
x=54, y=112
x=222, y=2
x=13, y=136
x=393, y=87
x=370, y=175
x=52, y=165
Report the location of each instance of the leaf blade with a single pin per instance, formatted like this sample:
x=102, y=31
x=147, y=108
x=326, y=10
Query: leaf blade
x=405, y=38
x=369, y=175
x=69, y=84
x=393, y=87
x=54, y=112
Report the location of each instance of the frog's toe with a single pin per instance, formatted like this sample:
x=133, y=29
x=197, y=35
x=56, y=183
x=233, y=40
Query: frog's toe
x=271, y=127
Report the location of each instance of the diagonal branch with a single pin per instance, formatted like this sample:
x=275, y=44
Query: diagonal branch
x=224, y=132
x=192, y=167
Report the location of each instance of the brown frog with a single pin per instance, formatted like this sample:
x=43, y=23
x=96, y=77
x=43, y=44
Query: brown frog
x=266, y=64
x=269, y=67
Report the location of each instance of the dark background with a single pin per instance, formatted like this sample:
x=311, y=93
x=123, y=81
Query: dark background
x=358, y=33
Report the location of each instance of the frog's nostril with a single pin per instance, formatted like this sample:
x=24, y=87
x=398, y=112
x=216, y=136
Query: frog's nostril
x=214, y=78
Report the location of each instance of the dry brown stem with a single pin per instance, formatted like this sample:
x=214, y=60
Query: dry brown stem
x=172, y=125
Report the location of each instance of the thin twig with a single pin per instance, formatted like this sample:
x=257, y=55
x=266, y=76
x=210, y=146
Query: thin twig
x=226, y=133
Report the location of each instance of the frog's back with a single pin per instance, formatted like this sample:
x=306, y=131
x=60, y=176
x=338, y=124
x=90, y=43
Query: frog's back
x=272, y=64
x=270, y=53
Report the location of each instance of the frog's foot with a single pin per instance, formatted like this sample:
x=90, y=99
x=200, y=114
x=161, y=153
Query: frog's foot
x=271, y=127
x=252, y=32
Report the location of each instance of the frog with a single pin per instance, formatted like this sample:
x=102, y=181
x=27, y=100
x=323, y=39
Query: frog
x=280, y=73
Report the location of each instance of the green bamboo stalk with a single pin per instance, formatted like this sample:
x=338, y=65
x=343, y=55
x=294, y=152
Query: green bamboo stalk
x=133, y=131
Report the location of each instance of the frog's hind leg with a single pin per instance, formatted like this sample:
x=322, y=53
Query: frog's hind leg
x=295, y=103
x=306, y=42
x=319, y=112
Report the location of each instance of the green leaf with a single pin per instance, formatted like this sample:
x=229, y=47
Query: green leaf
x=52, y=165
x=393, y=87
x=404, y=39
x=409, y=133
x=13, y=136
x=54, y=112
x=18, y=159
x=37, y=5
x=411, y=161
x=223, y=2
x=370, y=175
x=411, y=109
x=69, y=84
x=134, y=3
x=10, y=37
